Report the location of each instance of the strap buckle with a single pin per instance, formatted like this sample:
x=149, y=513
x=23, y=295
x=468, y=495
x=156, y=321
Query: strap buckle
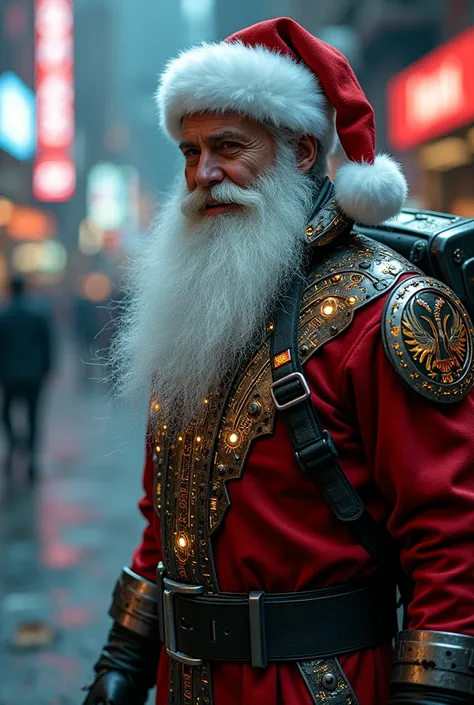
x=170, y=588
x=292, y=377
x=316, y=455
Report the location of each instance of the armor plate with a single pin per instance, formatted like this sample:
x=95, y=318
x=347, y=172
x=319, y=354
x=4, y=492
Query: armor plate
x=429, y=339
x=439, y=660
x=134, y=604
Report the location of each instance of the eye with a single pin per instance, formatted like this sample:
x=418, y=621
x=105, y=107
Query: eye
x=230, y=145
x=191, y=152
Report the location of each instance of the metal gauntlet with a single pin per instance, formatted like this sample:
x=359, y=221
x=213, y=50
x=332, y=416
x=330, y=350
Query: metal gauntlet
x=432, y=668
x=134, y=604
x=128, y=664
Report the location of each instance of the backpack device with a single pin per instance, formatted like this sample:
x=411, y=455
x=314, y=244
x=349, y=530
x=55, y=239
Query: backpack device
x=440, y=244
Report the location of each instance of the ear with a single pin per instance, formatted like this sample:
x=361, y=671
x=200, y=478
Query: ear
x=307, y=153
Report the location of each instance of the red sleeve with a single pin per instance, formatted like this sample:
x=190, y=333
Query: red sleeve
x=421, y=454
x=148, y=553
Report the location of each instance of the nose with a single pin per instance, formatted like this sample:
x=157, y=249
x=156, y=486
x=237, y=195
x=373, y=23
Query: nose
x=208, y=173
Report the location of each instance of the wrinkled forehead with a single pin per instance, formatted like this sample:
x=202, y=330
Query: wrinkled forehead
x=225, y=123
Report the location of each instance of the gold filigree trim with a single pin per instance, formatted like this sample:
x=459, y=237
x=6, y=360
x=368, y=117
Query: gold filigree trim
x=328, y=224
x=249, y=415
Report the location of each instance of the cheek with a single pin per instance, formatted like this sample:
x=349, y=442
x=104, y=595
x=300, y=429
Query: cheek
x=243, y=172
x=189, y=177
x=253, y=164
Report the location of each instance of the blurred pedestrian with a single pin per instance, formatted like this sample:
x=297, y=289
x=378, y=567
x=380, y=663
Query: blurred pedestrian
x=25, y=362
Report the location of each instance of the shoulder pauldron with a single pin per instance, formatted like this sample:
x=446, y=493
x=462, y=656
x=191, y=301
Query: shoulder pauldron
x=428, y=338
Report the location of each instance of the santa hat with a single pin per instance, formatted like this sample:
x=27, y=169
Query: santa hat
x=276, y=72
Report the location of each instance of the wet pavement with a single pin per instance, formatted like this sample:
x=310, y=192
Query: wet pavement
x=63, y=542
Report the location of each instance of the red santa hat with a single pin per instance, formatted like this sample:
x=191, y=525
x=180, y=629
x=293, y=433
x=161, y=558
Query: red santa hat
x=278, y=73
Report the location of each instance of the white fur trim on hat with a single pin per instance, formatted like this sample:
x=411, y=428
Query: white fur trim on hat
x=371, y=193
x=254, y=81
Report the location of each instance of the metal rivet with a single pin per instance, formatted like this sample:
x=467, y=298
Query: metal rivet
x=254, y=408
x=364, y=264
x=185, y=625
x=329, y=682
x=304, y=349
x=459, y=256
x=221, y=469
x=334, y=329
x=417, y=251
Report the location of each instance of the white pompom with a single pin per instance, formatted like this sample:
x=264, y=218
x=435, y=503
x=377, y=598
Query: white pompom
x=371, y=193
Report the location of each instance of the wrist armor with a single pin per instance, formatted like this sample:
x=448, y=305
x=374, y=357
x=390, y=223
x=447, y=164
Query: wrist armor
x=128, y=664
x=134, y=604
x=432, y=668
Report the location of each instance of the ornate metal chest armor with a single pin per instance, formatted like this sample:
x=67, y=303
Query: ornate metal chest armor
x=194, y=467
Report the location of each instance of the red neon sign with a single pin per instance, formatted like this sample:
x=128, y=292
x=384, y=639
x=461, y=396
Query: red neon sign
x=54, y=173
x=433, y=96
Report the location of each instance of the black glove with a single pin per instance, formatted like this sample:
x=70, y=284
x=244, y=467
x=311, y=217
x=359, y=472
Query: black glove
x=126, y=669
x=115, y=688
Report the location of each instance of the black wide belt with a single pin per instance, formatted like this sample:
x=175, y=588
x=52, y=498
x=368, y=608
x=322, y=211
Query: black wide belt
x=259, y=628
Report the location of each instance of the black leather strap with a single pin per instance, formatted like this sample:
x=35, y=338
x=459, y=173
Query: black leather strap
x=313, y=446
x=290, y=627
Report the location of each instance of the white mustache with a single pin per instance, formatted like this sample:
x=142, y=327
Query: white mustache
x=196, y=201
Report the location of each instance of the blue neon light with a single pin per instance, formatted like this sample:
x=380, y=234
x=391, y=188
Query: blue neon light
x=17, y=117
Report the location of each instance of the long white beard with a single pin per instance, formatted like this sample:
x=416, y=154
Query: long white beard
x=203, y=286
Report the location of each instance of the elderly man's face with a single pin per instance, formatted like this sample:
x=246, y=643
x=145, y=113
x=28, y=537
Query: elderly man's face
x=219, y=147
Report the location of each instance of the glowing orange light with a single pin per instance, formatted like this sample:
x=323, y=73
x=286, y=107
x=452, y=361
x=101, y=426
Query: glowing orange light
x=233, y=439
x=96, y=286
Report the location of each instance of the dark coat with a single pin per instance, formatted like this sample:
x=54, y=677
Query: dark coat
x=25, y=344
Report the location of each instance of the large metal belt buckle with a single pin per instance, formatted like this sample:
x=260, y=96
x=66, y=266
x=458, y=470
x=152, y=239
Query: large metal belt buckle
x=293, y=376
x=170, y=588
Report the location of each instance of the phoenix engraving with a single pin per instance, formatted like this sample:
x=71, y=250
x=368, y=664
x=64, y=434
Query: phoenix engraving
x=440, y=344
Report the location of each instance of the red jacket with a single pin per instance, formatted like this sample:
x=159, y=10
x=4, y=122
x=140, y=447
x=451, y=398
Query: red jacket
x=412, y=462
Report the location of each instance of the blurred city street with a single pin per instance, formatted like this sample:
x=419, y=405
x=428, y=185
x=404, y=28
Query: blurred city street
x=64, y=541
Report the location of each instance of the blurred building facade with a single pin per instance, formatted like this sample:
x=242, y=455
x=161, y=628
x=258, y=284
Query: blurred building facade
x=17, y=58
x=29, y=228
x=430, y=111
